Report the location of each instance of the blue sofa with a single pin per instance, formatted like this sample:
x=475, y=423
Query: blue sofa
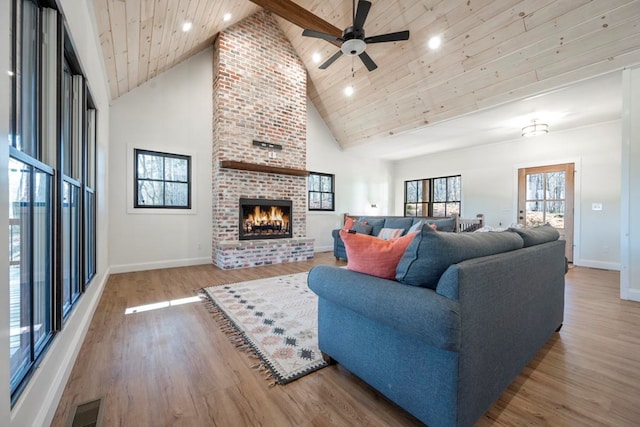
x=467, y=313
x=377, y=223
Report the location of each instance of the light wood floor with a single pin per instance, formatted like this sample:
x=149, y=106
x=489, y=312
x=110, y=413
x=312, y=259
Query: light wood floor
x=173, y=367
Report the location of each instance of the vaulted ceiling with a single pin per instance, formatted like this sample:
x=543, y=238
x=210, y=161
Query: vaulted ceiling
x=492, y=52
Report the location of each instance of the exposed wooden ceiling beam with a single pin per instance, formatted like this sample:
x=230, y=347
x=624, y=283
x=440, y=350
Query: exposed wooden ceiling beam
x=299, y=16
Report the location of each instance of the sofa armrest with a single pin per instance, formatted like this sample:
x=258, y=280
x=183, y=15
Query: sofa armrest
x=415, y=311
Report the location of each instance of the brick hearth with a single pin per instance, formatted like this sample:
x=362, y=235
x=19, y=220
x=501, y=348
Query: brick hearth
x=259, y=93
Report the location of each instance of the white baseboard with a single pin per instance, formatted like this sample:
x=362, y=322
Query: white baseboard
x=602, y=265
x=155, y=265
x=38, y=403
x=323, y=248
x=633, y=295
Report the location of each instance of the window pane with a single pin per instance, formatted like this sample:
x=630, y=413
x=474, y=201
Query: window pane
x=314, y=182
x=74, y=226
x=555, y=185
x=327, y=200
x=176, y=194
x=90, y=236
x=27, y=90
x=66, y=246
x=412, y=191
x=66, y=120
x=439, y=209
x=555, y=214
x=19, y=265
x=42, y=273
x=423, y=191
x=453, y=189
x=535, y=214
x=439, y=191
x=535, y=186
x=314, y=200
x=176, y=170
x=150, y=167
x=410, y=209
x=150, y=193
x=453, y=208
x=325, y=184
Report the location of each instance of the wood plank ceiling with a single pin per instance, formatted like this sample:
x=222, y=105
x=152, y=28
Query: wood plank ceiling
x=492, y=52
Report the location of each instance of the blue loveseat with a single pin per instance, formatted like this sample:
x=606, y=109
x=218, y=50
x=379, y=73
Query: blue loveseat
x=466, y=314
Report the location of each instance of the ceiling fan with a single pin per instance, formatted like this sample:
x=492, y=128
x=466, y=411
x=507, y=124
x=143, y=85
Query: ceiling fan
x=353, y=41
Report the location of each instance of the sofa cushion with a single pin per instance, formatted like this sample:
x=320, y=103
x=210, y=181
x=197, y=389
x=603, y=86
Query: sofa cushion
x=390, y=233
x=417, y=225
x=362, y=228
x=374, y=256
x=537, y=235
x=376, y=223
x=432, y=252
x=444, y=224
x=404, y=223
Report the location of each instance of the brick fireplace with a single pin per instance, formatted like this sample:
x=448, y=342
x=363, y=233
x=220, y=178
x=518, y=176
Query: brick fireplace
x=259, y=140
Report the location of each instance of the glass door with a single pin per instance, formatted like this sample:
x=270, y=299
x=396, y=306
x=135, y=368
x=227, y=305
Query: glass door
x=545, y=195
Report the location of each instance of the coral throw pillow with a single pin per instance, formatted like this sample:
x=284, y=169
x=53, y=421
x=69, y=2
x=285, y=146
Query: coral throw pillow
x=348, y=223
x=374, y=256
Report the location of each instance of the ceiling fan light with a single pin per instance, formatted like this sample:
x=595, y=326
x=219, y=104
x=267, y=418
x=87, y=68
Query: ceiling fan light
x=353, y=47
x=535, y=129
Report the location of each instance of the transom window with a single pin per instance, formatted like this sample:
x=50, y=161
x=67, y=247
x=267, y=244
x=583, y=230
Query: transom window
x=321, y=192
x=433, y=196
x=162, y=180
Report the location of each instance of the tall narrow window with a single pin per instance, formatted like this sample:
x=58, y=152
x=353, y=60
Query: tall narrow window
x=162, y=180
x=321, y=192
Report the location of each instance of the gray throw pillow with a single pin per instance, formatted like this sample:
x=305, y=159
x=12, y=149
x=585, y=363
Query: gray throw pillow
x=361, y=228
x=432, y=252
x=537, y=235
x=445, y=224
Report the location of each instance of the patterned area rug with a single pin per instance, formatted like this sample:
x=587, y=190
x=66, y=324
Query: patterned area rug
x=274, y=319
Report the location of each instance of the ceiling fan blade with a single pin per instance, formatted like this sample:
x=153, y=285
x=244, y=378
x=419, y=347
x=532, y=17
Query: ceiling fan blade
x=331, y=60
x=299, y=16
x=361, y=14
x=391, y=37
x=367, y=61
x=319, y=35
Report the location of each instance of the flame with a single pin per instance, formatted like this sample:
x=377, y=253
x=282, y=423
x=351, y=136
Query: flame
x=259, y=216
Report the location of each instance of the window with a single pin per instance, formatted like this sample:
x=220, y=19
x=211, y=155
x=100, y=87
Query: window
x=432, y=196
x=162, y=180
x=52, y=231
x=321, y=192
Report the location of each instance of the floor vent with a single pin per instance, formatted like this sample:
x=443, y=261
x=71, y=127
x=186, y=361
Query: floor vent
x=88, y=414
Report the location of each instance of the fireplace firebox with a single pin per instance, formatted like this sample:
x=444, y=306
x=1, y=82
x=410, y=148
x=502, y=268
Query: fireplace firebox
x=265, y=219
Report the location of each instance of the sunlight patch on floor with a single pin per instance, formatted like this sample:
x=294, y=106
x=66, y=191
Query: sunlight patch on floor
x=159, y=305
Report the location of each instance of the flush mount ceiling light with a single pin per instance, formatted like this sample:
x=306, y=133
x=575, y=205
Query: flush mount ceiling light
x=535, y=128
x=187, y=26
x=226, y=17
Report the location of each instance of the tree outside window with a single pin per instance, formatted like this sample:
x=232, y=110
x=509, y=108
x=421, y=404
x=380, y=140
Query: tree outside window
x=321, y=192
x=162, y=180
x=433, y=196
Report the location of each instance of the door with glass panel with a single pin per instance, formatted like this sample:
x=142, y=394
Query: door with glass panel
x=545, y=195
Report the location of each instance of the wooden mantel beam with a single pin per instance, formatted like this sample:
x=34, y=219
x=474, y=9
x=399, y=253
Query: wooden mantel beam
x=254, y=167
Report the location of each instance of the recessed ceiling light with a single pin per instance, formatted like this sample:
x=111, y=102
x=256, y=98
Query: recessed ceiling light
x=186, y=26
x=10, y=73
x=435, y=42
x=316, y=57
x=348, y=90
x=226, y=17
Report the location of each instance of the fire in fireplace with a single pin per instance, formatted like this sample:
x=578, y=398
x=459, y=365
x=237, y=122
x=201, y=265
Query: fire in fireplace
x=265, y=219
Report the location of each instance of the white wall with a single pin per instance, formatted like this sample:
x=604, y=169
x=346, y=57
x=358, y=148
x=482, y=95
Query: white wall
x=37, y=404
x=170, y=113
x=359, y=181
x=630, y=231
x=489, y=183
